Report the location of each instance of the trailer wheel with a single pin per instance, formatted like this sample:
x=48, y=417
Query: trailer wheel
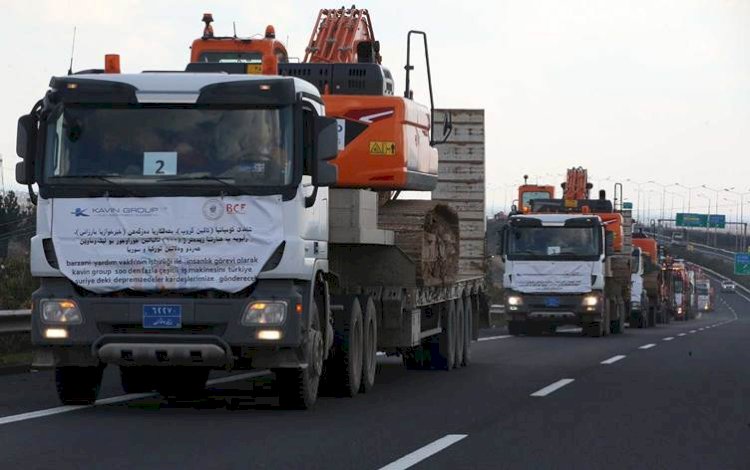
x=442, y=351
x=298, y=388
x=460, y=333
x=370, y=344
x=651, y=316
x=468, y=328
x=78, y=385
x=617, y=326
x=138, y=379
x=343, y=369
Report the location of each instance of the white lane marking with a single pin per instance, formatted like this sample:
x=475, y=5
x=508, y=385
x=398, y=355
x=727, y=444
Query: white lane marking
x=571, y=329
x=409, y=460
x=691, y=331
x=613, y=359
x=681, y=334
x=647, y=346
x=701, y=329
x=490, y=338
x=668, y=338
x=552, y=387
x=117, y=399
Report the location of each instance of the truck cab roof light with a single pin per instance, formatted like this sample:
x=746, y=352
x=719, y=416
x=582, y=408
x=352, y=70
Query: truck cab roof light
x=112, y=63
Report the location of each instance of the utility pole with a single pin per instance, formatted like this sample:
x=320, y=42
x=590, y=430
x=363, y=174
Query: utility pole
x=2, y=176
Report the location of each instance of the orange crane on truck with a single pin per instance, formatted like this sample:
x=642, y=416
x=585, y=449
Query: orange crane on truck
x=342, y=59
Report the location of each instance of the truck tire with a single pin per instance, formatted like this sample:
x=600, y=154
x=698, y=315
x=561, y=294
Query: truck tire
x=651, y=316
x=369, y=343
x=298, y=388
x=78, y=385
x=460, y=332
x=594, y=329
x=182, y=383
x=138, y=379
x=617, y=326
x=442, y=348
x=343, y=369
x=468, y=328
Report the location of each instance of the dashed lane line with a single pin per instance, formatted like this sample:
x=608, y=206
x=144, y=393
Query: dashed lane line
x=668, y=338
x=552, y=387
x=613, y=359
x=647, y=346
x=422, y=453
x=682, y=334
x=692, y=331
x=118, y=399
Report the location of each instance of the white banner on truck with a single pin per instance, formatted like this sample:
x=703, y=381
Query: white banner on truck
x=563, y=277
x=165, y=243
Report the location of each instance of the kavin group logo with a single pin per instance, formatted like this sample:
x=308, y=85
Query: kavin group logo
x=79, y=212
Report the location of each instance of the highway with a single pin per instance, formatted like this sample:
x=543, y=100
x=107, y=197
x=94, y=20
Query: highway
x=671, y=396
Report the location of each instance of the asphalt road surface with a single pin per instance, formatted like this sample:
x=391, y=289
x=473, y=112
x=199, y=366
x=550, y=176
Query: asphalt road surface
x=675, y=396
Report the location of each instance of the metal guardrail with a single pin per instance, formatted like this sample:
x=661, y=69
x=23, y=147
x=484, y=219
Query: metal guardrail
x=15, y=321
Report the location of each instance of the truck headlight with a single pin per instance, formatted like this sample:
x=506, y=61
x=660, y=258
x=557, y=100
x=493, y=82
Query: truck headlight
x=515, y=300
x=265, y=313
x=679, y=309
x=60, y=311
x=590, y=301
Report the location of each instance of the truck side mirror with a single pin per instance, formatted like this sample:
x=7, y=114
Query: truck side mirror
x=326, y=149
x=25, y=148
x=503, y=240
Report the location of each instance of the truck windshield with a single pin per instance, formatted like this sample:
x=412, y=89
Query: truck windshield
x=528, y=196
x=561, y=243
x=247, y=147
x=234, y=57
x=677, y=286
x=701, y=290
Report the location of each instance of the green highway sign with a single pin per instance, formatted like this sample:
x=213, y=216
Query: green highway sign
x=627, y=205
x=691, y=220
x=700, y=220
x=742, y=264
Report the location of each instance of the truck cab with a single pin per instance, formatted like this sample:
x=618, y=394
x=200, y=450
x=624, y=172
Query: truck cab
x=554, y=272
x=182, y=221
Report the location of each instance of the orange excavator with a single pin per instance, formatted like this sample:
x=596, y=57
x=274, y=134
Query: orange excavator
x=385, y=140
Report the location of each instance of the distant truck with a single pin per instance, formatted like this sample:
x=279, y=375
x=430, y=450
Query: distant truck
x=704, y=295
x=675, y=290
x=650, y=277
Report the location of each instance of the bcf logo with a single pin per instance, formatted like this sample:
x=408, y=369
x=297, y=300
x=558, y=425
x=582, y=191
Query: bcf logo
x=236, y=208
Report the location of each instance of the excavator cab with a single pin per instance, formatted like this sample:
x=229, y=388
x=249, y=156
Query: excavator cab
x=258, y=56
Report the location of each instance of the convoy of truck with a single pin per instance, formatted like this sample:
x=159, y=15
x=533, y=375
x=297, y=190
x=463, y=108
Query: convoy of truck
x=246, y=213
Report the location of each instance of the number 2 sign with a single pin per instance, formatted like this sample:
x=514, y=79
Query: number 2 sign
x=159, y=163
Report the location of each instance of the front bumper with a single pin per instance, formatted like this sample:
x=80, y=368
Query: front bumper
x=567, y=309
x=211, y=334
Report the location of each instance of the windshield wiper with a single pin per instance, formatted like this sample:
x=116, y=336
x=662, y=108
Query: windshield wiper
x=106, y=179
x=200, y=178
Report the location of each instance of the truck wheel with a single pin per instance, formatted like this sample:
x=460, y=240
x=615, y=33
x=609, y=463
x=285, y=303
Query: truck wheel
x=460, y=332
x=182, y=383
x=138, y=379
x=468, y=316
x=651, y=316
x=343, y=369
x=442, y=350
x=617, y=326
x=78, y=385
x=298, y=388
x=370, y=344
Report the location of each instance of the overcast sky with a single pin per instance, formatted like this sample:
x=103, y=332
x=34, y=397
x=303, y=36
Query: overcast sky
x=653, y=89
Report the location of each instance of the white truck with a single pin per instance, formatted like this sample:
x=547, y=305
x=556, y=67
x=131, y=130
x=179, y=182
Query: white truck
x=640, y=310
x=185, y=223
x=558, y=272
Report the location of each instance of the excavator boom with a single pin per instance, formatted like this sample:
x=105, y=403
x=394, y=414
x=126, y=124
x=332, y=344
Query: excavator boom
x=342, y=36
